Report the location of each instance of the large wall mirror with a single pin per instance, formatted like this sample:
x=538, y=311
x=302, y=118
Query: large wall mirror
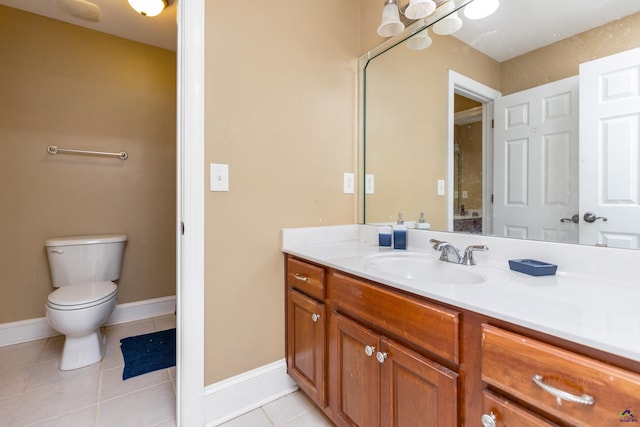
x=524, y=124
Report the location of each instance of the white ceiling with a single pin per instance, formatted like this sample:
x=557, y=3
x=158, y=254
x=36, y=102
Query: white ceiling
x=510, y=34
x=519, y=26
x=117, y=18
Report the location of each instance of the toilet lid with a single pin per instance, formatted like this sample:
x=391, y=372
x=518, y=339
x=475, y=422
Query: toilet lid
x=88, y=294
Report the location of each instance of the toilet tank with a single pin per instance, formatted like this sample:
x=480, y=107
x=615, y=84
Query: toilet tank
x=84, y=259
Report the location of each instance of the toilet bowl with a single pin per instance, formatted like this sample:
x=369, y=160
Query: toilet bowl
x=82, y=268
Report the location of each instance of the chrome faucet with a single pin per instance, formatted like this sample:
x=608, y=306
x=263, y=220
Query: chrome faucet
x=449, y=253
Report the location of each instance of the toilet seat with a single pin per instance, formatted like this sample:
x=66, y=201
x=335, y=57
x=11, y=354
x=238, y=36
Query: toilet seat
x=76, y=297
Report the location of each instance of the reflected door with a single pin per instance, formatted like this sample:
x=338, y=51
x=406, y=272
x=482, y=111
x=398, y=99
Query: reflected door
x=609, y=154
x=535, y=163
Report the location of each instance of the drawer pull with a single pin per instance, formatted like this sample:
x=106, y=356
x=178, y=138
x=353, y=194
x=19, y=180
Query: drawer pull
x=368, y=350
x=381, y=356
x=585, y=399
x=315, y=317
x=488, y=420
x=301, y=277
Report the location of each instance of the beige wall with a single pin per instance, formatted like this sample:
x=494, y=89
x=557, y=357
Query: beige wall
x=562, y=59
x=64, y=85
x=280, y=109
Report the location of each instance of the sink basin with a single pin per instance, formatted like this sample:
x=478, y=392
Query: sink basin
x=419, y=267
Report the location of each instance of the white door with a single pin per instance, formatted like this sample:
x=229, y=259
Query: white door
x=609, y=156
x=535, y=163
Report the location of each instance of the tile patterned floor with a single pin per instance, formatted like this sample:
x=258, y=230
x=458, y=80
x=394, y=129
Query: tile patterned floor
x=292, y=410
x=33, y=392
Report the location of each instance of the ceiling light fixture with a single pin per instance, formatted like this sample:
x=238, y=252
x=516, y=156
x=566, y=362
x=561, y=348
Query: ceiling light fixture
x=479, y=9
x=391, y=25
x=419, y=41
x=148, y=7
x=449, y=21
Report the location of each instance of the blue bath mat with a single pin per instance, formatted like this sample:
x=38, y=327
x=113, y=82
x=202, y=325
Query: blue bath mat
x=147, y=353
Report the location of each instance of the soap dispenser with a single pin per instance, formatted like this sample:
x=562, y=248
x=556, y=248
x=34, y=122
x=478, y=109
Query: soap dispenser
x=422, y=224
x=400, y=234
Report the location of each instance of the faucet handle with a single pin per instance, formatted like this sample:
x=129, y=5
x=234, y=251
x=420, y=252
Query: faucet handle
x=468, y=253
x=436, y=243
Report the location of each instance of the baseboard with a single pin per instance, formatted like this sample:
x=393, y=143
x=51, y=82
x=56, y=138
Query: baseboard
x=36, y=329
x=243, y=393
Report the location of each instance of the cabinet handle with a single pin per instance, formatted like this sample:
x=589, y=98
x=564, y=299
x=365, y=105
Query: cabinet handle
x=315, y=317
x=301, y=277
x=585, y=399
x=488, y=420
x=381, y=356
x=368, y=350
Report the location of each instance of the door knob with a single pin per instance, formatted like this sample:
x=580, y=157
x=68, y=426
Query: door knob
x=591, y=217
x=575, y=219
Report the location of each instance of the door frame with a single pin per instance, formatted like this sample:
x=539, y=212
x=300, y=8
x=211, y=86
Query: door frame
x=477, y=91
x=190, y=215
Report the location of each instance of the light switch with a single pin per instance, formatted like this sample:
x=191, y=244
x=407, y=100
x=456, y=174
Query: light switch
x=218, y=177
x=369, y=184
x=441, y=187
x=348, y=183
x=465, y=195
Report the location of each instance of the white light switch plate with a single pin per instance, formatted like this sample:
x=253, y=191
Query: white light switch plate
x=348, y=183
x=441, y=187
x=219, y=177
x=369, y=184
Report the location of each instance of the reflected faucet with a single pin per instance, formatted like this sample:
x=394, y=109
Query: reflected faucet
x=449, y=253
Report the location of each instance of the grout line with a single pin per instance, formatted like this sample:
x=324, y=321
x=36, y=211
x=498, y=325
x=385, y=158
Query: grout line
x=267, y=415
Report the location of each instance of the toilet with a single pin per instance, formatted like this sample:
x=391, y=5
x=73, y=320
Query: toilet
x=83, y=269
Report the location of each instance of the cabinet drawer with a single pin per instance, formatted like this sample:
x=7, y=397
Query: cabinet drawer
x=432, y=328
x=510, y=361
x=509, y=414
x=305, y=277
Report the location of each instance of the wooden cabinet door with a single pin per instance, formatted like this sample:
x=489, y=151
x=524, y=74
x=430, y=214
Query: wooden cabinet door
x=306, y=332
x=355, y=373
x=415, y=391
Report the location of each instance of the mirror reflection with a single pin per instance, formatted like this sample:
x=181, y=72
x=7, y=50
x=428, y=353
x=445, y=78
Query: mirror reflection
x=523, y=124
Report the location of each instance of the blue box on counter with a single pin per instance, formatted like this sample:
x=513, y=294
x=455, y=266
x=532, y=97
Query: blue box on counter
x=533, y=267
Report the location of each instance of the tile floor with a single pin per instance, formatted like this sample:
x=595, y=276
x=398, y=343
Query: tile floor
x=292, y=410
x=33, y=392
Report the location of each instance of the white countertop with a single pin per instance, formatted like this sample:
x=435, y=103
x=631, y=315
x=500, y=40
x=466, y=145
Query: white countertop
x=575, y=304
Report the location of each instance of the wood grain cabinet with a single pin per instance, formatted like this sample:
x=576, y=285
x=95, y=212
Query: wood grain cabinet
x=370, y=355
x=306, y=321
x=566, y=387
x=376, y=381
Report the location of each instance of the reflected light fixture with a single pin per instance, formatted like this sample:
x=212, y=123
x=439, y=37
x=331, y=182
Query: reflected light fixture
x=148, y=7
x=479, y=9
x=391, y=25
x=419, y=41
x=451, y=21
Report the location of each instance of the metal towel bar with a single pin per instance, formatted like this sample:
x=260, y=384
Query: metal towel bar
x=52, y=149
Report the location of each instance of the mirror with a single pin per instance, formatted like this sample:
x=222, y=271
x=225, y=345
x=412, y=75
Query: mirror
x=428, y=145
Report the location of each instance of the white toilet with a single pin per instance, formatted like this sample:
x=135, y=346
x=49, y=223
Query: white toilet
x=82, y=268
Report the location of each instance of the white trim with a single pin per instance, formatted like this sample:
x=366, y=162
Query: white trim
x=132, y=311
x=245, y=392
x=472, y=89
x=36, y=329
x=190, y=212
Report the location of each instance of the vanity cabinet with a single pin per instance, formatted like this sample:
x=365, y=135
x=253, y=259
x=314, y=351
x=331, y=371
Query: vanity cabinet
x=375, y=378
x=306, y=321
x=378, y=382
x=565, y=386
x=372, y=355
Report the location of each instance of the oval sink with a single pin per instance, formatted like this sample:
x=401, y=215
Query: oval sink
x=418, y=267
